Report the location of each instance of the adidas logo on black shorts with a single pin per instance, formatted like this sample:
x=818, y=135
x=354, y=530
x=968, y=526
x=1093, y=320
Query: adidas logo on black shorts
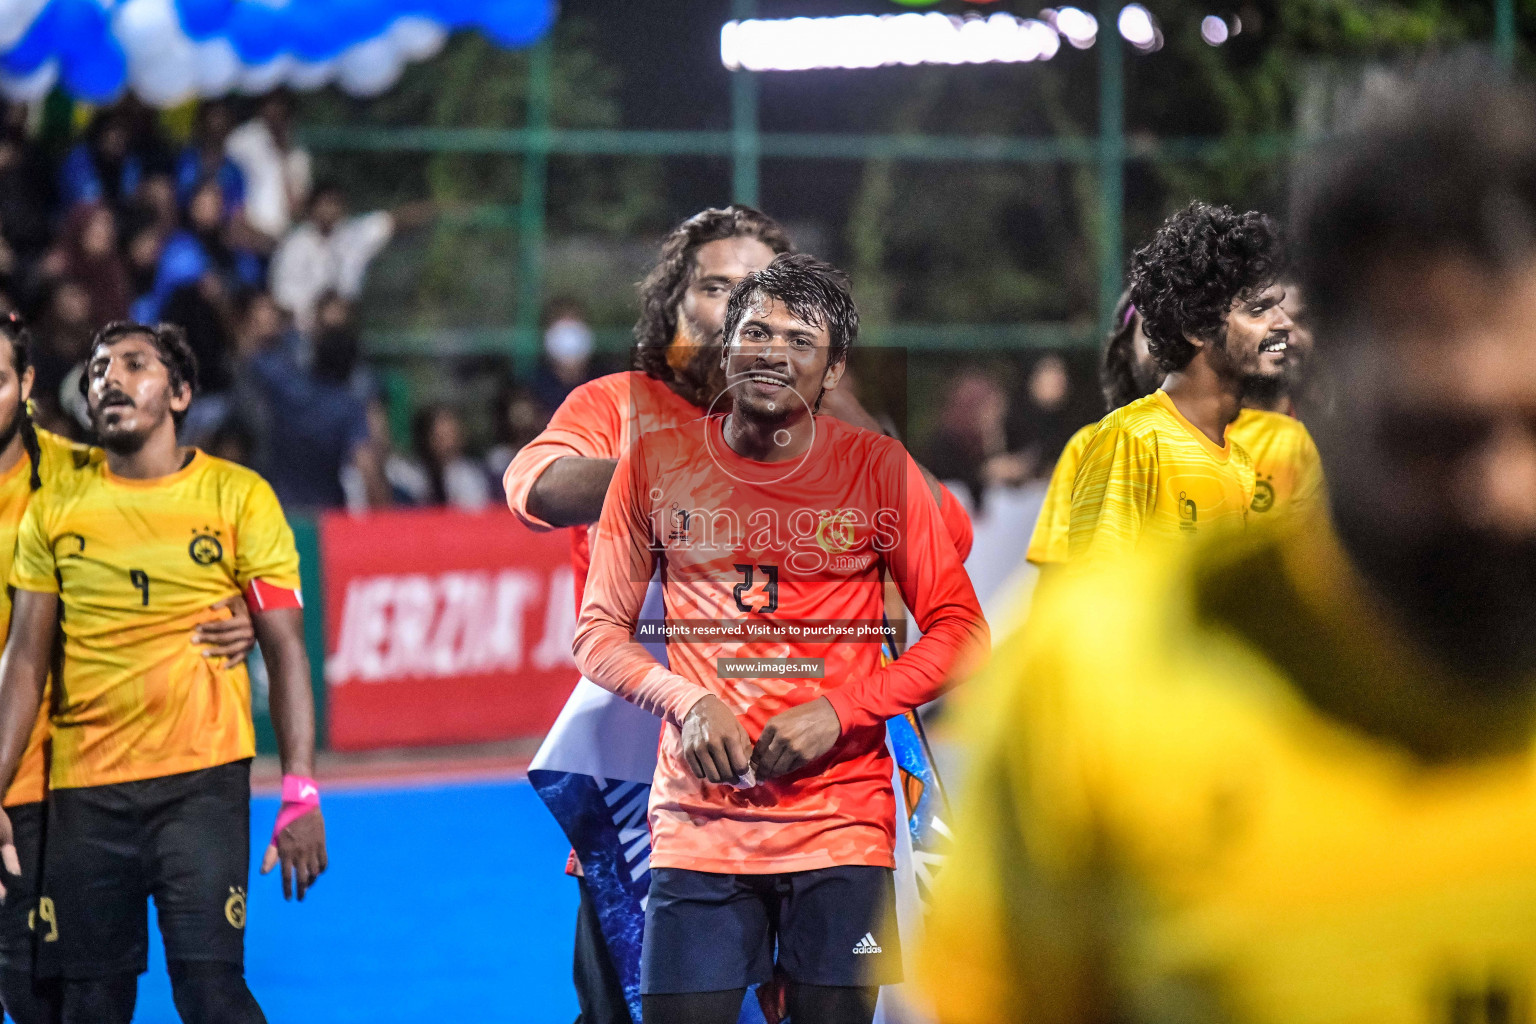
x=867, y=944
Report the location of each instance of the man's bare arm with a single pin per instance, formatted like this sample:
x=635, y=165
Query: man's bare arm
x=23, y=674
x=301, y=846
x=570, y=491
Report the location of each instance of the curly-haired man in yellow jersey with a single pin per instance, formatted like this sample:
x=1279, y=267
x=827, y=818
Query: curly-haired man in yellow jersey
x=1292, y=780
x=149, y=769
x=1163, y=468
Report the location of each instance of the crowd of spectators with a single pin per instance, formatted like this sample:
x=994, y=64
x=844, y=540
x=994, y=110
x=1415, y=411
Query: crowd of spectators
x=227, y=234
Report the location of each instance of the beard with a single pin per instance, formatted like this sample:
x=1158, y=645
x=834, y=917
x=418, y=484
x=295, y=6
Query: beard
x=695, y=364
x=1265, y=391
x=1468, y=594
x=1146, y=375
x=121, y=443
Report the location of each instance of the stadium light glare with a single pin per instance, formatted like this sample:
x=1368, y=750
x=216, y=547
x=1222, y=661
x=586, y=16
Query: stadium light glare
x=884, y=40
x=1078, y=26
x=1138, y=28
x=1214, y=30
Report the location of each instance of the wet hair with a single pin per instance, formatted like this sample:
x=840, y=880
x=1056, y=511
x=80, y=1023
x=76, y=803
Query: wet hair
x=1200, y=261
x=662, y=290
x=1117, y=368
x=1436, y=161
x=170, y=344
x=14, y=328
x=814, y=292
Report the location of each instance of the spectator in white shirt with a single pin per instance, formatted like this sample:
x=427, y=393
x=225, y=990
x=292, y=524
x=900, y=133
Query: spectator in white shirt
x=276, y=171
x=328, y=252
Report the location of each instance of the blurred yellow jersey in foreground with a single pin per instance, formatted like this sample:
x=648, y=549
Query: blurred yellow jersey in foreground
x=1162, y=826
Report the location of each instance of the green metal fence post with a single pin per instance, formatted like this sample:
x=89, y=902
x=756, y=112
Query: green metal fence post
x=1504, y=30
x=745, y=144
x=1111, y=160
x=530, y=220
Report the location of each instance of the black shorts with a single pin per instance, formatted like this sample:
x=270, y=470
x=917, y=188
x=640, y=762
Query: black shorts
x=183, y=840
x=709, y=933
x=19, y=909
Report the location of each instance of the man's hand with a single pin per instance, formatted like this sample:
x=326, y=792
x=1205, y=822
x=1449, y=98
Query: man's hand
x=229, y=638
x=714, y=743
x=8, y=850
x=301, y=848
x=795, y=738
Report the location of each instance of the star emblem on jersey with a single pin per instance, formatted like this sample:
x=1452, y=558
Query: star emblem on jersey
x=205, y=548
x=867, y=944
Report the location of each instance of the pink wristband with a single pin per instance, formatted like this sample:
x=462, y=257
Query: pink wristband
x=300, y=796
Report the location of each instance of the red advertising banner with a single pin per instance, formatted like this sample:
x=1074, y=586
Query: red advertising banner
x=444, y=627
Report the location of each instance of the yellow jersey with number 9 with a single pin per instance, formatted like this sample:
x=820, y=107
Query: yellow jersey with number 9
x=137, y=565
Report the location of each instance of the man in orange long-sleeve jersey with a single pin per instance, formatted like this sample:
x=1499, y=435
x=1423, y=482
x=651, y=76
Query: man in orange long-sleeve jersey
x=772, y=815
x=601, y=753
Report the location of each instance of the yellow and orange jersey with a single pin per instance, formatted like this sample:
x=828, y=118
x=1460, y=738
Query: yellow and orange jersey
x=763, y=562
x=1287, y=472
x=137, y=565
x=1169, y=827
x=57, y=455
x=1149, y=476
x=1048, y=542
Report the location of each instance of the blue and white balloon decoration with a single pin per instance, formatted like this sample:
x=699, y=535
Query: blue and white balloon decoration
x=169, y=51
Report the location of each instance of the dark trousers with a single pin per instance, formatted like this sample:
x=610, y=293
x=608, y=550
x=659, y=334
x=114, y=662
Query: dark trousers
x=599, y=994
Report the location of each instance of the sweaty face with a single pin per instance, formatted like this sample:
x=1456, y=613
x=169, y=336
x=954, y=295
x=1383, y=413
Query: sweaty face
x=717, y=267
x=1431, y=460
x=1257, y=342
x=128, y=393
x=777, y=364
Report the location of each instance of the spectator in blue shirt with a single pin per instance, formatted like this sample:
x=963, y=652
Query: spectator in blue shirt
x=100, y=168
x=201, y=247
x=203, y=158
x=314, y=423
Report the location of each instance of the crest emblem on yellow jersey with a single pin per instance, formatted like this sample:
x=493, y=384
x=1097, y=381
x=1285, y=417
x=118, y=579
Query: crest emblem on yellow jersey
x=834, y=534
x=205, y=549
x=1263, y=495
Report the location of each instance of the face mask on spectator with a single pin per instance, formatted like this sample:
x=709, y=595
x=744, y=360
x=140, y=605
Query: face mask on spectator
x=568, y=341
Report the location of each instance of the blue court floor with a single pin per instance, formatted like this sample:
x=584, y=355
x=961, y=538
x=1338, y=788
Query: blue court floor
x=446, y=904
